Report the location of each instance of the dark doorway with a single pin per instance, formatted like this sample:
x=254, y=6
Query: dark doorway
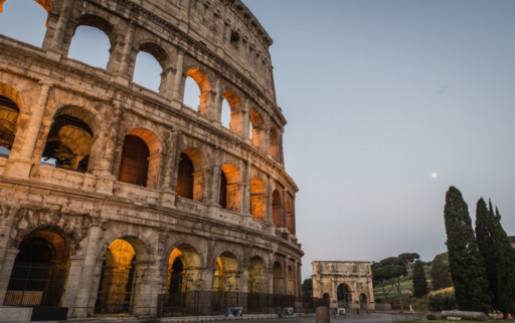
x=176, y=281
x=344, y=296
x=223, y=190
x=185, y=177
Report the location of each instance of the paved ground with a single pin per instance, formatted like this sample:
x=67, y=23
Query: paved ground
x=364, y=318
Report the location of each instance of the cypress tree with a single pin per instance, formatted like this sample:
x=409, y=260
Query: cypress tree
x=419, y=280
x=505, y=266
x=486, y=241
x=440, y=275
x=465, y=261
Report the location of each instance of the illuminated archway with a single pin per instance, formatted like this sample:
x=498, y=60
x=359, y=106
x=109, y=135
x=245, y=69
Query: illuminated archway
x=257, y=278
x=9, y=111
x=278, y=278
x=197, y=90
x=258, y=198
x=225, y=278
x=189, y=175
x=233, y=101
x=183, y=270
x=256, y=131
x=230, y=187
x=69, y=140
x=277, y=208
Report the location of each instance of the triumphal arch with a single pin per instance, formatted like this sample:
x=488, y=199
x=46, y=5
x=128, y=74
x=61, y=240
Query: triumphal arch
x=345, y=284
x=118, y=199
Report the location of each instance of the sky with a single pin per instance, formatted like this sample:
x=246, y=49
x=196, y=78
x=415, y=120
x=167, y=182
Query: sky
x=380, y=97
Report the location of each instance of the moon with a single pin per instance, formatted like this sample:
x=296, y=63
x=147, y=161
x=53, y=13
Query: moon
x=434, y=175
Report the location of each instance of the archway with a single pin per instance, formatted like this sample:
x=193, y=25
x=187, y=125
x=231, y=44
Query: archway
x=275, y=145
x=9, y=113
x=197, y=90
x=276, y=208
x=40, y=270
x=232, y=104
x=291, y=281
x=189, y=175
x=230, y=192
x=183, y=270
x=225, y=277
x=31, y=28
x=117, y=280
x=256, y=128
x=344, y=296
x=363, y=301
x=149, y=66
x=278, y=279
x=69, y=140
x=257, y=278
x=257, y=198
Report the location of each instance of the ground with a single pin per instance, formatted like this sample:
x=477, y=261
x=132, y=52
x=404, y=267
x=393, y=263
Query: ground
x=364, y=318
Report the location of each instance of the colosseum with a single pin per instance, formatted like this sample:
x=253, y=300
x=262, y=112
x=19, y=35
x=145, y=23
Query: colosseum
x=116, y=199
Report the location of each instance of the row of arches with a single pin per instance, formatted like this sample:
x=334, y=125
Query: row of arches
x=149, y=64
x=41, y=268
x=72, y=137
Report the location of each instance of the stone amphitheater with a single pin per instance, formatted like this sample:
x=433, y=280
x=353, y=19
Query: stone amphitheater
x=113, y=195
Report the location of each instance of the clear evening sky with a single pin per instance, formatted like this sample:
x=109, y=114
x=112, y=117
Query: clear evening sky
x=379, y=95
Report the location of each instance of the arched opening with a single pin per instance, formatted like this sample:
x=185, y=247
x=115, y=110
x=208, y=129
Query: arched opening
x=230, y=192
x=183, y=270
x=117, y=280
x=258, y=198
x=9, y=113
x=31, y=27
x=232, y=104
x=225, y=278
x=134, y=163
x=276, y=208
x=363, y=301
x=257, y=278
x=70, y=140
x=344, y=296
x=141, y=154
x=90, y=42
x=226, y=114
x=290, y=216
x=291, y=280
x=275, y=145
x=278, y=279
x=40, y=270
x=197, y=90
x=147, y=71
x=257, y=132
x=189, y=183
x=326, y=299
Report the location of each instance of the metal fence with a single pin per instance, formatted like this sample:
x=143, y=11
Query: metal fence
x=197, y=303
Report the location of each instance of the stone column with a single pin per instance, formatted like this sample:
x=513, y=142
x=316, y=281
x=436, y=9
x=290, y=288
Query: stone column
x=8, y=215
x=214, y=112
x=269, y=200
x=125, y=70
x=5, y=271
x=178, y=78
x=245, y=115
x=20, y=164
x=72, y=283
x=55, y=34
x=169, y=157
x=214, y=187
x=86, y=286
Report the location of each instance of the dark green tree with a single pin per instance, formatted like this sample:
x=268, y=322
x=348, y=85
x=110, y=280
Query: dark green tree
x=486, y=241
x=307, y=287
x=465, y=261
x=419, y=280
x=505, y=266
x=440, y=274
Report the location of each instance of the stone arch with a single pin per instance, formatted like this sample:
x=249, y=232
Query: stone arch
x=121, y=283
x=275, y=145
x=226, y=272
x=183, y=269
x=363, y=301
x=230, y=187
x=277, y=278
x=10, y=103
x=258, y=203
x=95, y=21
x=234, y=102
x=160, y=55
x=70, y=140
x=257, y=276
x=189, y=174
x=344, y=295
x=277, y=207
x=141, y=157
x=40, y=269
x=204, y=86
x=290, y=213
x=257, y=128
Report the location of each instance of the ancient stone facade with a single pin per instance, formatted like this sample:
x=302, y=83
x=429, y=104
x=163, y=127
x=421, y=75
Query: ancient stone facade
x=346, y=284
x=118, y=194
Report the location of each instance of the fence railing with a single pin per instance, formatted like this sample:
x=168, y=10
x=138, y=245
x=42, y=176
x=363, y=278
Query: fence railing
x=197, y=303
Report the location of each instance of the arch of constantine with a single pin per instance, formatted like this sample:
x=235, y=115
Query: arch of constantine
x=346, y=284
x=113, y=196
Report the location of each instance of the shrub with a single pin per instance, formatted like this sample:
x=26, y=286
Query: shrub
x=442, y=302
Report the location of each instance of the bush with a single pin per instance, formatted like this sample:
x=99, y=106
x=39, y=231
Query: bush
x=432, y=317
x=441, y=303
